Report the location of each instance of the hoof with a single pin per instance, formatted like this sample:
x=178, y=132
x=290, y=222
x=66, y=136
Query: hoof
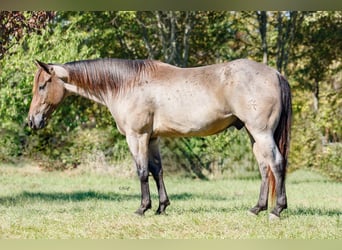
x=257, y=209
x=143, y=208
x=162, y=207
x=251, y=213
x=273, y=217
x=140, y=212
x=160, y=213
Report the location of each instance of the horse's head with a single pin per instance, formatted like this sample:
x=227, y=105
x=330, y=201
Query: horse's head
x=48, y=92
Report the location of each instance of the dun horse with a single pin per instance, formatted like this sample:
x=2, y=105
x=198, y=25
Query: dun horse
x=150, y=99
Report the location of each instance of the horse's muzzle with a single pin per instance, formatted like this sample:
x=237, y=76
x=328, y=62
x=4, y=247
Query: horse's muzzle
x=36, y=122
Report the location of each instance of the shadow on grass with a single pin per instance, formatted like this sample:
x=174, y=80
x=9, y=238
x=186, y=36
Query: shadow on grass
x=24, y=198
x=191, y=196
x=246, y=207
x=60, y=196
x=79, y=196
x=314, y=211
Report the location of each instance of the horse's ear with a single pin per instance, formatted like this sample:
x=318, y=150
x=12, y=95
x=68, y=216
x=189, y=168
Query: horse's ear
x=51, y=69
x=60, y=72
x=44, y=66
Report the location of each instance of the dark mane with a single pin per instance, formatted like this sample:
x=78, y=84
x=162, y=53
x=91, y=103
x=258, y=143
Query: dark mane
x=100, y=75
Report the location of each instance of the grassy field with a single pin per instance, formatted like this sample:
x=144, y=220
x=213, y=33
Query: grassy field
x=99, y=205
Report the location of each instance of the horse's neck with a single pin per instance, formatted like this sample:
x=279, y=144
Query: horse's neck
x=79, y=91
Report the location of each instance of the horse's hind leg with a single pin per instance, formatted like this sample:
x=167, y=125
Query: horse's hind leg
x=281, y=201
x=264, y=188
x=268, y=156
x=155, y=167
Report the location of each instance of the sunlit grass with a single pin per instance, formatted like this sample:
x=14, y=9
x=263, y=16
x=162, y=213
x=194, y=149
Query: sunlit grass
x=36, y=204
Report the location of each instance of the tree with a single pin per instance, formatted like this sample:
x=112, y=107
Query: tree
x=318, y=44
x=262, y=19
x=14, y=25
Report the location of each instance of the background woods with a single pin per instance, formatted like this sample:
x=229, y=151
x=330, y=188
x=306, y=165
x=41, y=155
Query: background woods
x=304, y=46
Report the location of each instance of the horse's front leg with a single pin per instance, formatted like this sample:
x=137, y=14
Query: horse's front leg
x=138, y=145
x=155, y=167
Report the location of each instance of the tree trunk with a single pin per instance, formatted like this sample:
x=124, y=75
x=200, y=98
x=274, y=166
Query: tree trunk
x=280, y=42
x=186, y=38
x=262, y=19
x=287, y=24
x=145, y=37
x=172, y=40
x=316, y=96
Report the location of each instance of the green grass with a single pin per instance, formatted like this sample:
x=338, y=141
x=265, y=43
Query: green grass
x=99, y=205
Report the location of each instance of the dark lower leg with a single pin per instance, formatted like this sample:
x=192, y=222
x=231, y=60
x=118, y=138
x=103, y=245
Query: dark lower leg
x=163, y=198
x=145, y=192
x=157, y=173
x=155, y=167
x=263, y=197
x=264, y=188
x=281, y=203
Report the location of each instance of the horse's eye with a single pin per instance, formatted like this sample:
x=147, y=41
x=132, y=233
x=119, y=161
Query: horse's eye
x=42, y=86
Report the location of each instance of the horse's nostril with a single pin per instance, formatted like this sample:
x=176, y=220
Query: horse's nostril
x=42, y=123
x=30, y=123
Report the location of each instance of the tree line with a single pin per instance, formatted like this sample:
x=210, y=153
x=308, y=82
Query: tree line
x=304, y=46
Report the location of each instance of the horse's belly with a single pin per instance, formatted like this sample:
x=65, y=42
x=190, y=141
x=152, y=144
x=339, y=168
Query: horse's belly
x=202, y=127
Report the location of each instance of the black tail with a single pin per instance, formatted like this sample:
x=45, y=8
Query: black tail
x=283, y=130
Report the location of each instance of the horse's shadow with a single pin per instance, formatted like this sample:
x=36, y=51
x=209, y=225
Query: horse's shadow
x=79, y=196
x=76, y=196
x=311, y=211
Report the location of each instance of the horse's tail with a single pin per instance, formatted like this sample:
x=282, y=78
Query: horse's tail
x=283, y=130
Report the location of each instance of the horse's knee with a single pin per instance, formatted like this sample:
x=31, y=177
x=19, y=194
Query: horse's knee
x=143, y=174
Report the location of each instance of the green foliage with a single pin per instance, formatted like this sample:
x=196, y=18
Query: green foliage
x=330, y=114
x=226, y=154
x=16, y=83
x=330, y=161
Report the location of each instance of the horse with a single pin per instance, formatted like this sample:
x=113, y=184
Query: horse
x=149, y=99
